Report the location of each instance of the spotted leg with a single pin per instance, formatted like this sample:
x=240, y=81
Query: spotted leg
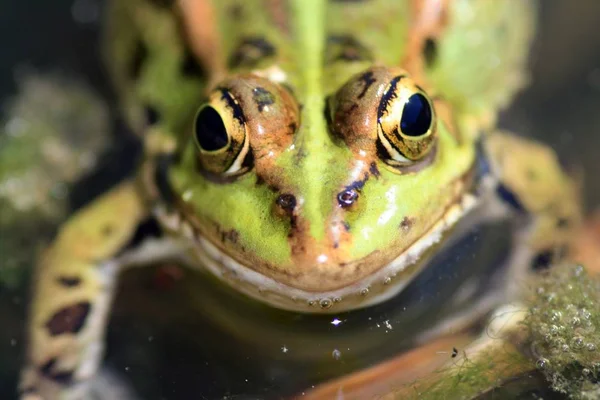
x=73, y=288
x=531, y=182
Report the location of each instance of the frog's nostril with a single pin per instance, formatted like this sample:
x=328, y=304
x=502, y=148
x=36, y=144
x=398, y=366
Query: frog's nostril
x=347, y=197
x=287, y=202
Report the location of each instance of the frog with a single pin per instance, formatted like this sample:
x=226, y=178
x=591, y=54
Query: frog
x=315, y=156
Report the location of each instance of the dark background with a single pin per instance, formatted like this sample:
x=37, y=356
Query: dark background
x=560, y=107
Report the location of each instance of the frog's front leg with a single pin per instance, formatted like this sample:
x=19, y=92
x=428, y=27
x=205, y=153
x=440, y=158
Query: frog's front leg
x=532, y=183
x=74, y=285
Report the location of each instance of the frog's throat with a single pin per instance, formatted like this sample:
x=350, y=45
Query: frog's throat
x=372, y=289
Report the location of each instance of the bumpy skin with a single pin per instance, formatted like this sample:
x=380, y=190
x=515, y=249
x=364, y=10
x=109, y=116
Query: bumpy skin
x=73, y=289
x=308, y=208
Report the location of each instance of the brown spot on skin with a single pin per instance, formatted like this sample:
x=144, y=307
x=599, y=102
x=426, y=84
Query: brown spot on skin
x=407, y=223
x=346, y=226
x=262, y=98
x=347, y=197
x=563, y=223
x=69, y=281
x=368, y=80
x=350, y=194
x=69, y=320
x=250, y=52
x=230, y=236
x=429, y=20
x=545, y=258
x=374, y=170
x=107, y=230
x=287, y=202
x=345, y=48
x=140, y=54
x=62, y=377
x=199, y=23
x=152, y=115
x=430, y=51
x=190, y=66
x=293, y=127
x=236, y=12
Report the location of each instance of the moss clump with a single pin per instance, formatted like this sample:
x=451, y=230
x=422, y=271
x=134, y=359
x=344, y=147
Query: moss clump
x=468, y=378
x=564, y=325
x=50, y=134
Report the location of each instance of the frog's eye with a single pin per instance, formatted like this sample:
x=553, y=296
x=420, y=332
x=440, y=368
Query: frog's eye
x=406, y=122
x=221, y=136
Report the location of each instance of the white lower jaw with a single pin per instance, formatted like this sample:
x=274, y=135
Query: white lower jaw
x=375, y=288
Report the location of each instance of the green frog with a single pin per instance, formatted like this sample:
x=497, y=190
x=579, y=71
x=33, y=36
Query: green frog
x=316, y=156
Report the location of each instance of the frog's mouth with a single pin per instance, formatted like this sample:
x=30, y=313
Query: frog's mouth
x=377, y=287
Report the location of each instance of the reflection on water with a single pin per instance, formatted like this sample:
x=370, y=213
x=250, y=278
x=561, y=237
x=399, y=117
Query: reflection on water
x=236, y=346
x=177, y=342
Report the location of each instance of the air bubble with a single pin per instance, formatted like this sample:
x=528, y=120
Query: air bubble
x=364, y=292
x=585, y=313
x=577, y=342
x=586, y=372
x=387, y=281
x=565, y=348
x=325, y=303
x=590, y=347
x=554, y=330
x=311, y=303
x=575, y=321
x=579, y=270
x=555, y=316
x=337, y=299
x=542, y=363
x=551, y=297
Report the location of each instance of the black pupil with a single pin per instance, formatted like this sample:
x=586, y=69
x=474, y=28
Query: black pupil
x=210, y=130
x=416, y=117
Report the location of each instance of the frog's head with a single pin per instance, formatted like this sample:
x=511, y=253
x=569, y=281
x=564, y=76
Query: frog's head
x=324, y=205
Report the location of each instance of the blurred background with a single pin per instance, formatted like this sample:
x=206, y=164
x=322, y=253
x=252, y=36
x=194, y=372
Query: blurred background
x=560, y=107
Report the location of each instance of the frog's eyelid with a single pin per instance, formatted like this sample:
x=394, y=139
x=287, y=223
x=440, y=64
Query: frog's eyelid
x=391, y=151
x=240, y=159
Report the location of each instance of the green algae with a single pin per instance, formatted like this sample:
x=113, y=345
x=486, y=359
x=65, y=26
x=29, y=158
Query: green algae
x=564, y=326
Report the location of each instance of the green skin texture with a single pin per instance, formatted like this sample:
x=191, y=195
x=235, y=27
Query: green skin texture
x=317, y=168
